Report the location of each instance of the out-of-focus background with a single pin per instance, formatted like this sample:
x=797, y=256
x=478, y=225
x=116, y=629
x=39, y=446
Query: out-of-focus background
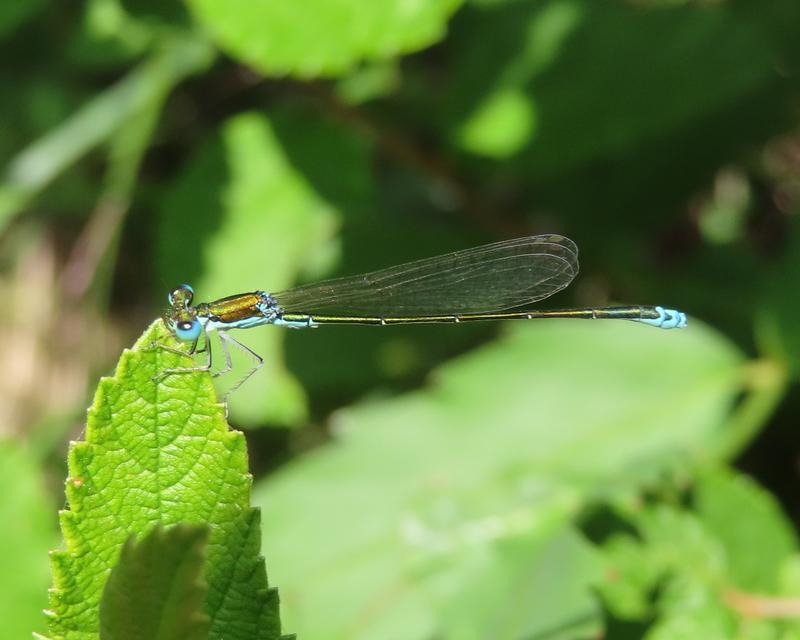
x=548, y=480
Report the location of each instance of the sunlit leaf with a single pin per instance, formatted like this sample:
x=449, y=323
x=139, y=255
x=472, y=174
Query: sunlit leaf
x=501, y=126
x=321, y=37
x=160, y=453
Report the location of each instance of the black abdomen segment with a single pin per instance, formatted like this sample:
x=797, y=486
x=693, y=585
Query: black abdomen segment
x=652, y=315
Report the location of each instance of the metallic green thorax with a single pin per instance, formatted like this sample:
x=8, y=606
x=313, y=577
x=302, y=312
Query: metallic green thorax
x=234, y=312
x=232, y=309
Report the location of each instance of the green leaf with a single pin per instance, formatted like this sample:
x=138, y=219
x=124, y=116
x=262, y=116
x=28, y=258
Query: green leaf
x=155, y=591
x=629, y=578
x=680, y=567
x=743, y=517
x=692, y=610
x=789, y=586
x=26, y=534
x=160, y=453
x=501, y=125
x=529, y=586
x=693, y=565
x=676, y=559
x=249, y=218
x=514, y=436
x=321, y=37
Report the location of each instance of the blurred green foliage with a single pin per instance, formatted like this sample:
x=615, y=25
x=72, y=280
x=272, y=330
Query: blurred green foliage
x=549, y=481
x=23, y=586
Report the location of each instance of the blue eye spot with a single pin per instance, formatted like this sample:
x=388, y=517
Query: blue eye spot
x=188, y=330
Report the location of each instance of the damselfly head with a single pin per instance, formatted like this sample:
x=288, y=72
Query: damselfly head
x=181, y=317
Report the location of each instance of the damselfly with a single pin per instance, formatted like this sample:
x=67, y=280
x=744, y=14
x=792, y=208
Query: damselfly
x=491, y=282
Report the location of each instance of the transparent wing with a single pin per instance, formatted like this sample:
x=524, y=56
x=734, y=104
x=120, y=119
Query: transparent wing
x=490, y=278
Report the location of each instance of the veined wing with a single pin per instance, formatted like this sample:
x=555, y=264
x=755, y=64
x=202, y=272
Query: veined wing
x=489, y=278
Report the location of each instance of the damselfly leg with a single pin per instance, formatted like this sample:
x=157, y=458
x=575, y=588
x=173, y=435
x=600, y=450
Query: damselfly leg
x=225, y=341
x=189, y=353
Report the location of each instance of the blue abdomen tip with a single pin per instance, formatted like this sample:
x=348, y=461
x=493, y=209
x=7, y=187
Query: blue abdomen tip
x=667, y=319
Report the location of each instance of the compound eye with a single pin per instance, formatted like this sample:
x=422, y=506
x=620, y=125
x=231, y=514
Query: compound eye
x=188, y=330
x=183, y=292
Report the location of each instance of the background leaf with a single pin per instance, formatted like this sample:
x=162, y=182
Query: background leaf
x=531, y=586
x=28, y=533
x=742, y=515
x=476, y=455
x=321, y=38
x=695, y=573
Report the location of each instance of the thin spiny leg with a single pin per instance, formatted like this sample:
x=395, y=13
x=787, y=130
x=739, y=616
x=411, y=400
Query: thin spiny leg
x=179, y=352
x=190, y=353
x=202, y=349
x=223, y=342
x=259, y=361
